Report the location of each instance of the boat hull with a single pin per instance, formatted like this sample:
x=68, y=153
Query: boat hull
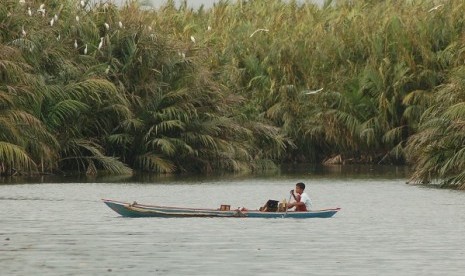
x=141, y=210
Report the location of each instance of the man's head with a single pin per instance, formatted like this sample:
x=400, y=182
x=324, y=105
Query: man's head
x=299, y=187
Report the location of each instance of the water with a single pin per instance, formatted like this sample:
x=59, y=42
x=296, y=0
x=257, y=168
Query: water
x=385, y=227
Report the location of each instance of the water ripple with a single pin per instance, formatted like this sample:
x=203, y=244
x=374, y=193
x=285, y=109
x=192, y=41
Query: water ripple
x=385, y=228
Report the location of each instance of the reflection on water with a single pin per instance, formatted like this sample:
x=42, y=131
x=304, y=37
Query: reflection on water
x=352, y=171
x=385, y=227
x=315, y=171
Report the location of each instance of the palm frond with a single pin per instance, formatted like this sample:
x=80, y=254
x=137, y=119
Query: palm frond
x=155, y=163
x=14, y=156
x=64, y=111
x=86, y=153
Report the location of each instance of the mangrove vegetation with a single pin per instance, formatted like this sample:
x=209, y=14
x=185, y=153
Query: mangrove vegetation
x=243, y=85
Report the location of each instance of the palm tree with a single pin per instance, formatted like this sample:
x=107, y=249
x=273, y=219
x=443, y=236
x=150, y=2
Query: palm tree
x=437, y=151
x=24, y=139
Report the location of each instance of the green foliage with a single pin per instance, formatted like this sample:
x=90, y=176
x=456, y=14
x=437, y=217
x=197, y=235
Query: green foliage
x=240, y=86
x=437, y=151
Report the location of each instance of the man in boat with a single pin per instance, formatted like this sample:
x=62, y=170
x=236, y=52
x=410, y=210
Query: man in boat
x=302, y=201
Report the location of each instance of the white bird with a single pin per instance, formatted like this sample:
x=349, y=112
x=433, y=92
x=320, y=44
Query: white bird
x=310, y=92
x=52, y=21
x=435, y=8
x=107, y=70
x=85, y=50
x=192, y=39
x=183, y=55
x=150, y=28
x=120, y=24
x=22, y=2
x=83, y=3
x=209, y=28
x=58, y=37
x=259, y=30
x=100, y=45
x=55, y=17
x=23, y=32
x=77, y=18
x=75, y=44
x=29, y=12
x=41, y=9
x=106, y=26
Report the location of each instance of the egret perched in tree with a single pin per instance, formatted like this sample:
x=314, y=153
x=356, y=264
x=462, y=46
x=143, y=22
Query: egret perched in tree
x=23, y=32
x=85, y=50
x=55, y=17
x=100, y=45
x=107, y=70
x=106, y=26
x=120, y=24
x=192, y=39
x=58, y=37
x=52, y=21
x=22, y=2
x=42, y=9
x=77, y=18
x=209, y=28
x=83, y=3
x=29, y=12
x=75, y=44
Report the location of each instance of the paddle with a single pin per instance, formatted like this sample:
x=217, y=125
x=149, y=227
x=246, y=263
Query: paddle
x=291, y=194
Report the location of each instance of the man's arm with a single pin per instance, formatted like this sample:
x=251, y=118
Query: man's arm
x=294, y=204
x=297, y=201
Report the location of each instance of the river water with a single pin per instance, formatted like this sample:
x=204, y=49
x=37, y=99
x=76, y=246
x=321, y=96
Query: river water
x=385, y=227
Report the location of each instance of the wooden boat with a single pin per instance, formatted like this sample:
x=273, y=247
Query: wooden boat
x=141, y=210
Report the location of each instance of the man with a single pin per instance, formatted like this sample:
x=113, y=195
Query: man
x=302, y=201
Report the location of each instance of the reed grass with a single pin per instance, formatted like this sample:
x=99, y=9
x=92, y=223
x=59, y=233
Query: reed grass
x=230, y=88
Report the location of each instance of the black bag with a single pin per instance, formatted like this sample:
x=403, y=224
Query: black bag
x=270, y=206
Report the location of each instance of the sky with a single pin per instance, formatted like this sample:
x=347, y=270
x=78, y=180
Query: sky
x=198, y=3
x=192, y=3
